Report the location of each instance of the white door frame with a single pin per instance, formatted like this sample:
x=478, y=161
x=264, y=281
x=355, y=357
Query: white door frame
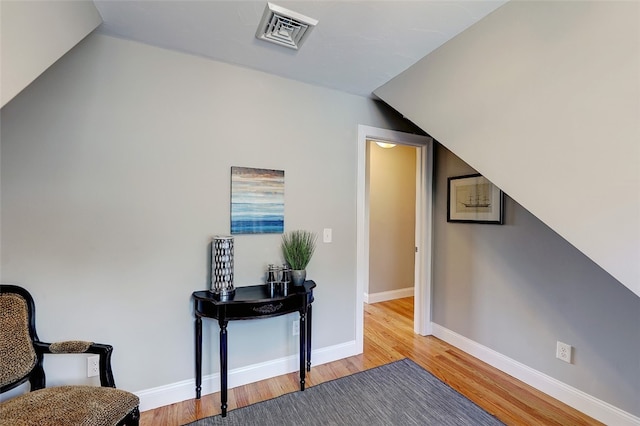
x=424, y=225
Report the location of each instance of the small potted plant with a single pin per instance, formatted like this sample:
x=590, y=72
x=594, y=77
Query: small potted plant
x=297, y=248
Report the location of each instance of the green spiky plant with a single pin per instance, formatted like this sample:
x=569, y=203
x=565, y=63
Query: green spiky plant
x=298, y=247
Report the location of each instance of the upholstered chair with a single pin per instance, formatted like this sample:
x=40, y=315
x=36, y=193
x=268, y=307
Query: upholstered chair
x=21, y=360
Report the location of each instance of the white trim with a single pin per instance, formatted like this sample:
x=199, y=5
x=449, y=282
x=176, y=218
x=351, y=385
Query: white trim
x=184, y=390
x=362, y=233
x=424, y=225
x=383, y=296
x=581, y=401
x=424, y=241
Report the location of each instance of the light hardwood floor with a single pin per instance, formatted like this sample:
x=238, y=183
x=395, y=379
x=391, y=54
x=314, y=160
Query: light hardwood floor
x=389, y=337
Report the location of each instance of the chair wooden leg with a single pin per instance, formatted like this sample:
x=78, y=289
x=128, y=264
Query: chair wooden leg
x=132, y=419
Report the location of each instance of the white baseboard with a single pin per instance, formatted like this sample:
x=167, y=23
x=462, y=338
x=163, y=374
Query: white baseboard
x=571, y=396
x=183, y=390
x=388, y=295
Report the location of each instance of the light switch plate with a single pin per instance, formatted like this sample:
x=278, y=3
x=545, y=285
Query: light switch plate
x=326, y=235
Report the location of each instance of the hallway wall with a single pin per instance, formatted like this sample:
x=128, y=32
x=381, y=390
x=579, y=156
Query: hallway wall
x=392, y=205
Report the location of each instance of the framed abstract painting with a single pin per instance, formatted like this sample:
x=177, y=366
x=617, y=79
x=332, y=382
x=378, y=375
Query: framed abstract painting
x=257, y=201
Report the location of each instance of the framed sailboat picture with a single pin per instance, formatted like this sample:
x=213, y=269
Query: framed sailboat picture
x=474, y=199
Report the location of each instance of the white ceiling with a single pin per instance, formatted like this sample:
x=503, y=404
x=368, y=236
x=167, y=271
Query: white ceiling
x=356, y=47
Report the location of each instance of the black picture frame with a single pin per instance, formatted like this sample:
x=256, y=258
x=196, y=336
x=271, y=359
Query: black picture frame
x=474, y=199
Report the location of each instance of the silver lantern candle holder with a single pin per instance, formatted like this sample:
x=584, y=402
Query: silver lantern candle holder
x=222, y=267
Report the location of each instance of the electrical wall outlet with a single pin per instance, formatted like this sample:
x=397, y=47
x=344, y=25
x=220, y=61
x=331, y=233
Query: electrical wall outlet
x=296, y=328
x=563, y=352
x=93, y=366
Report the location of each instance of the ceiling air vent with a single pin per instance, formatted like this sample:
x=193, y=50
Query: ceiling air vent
x=284, y=27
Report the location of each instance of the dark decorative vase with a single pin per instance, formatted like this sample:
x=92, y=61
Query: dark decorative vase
x=298, y=276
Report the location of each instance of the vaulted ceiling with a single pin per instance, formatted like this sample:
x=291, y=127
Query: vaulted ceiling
x=356, y=46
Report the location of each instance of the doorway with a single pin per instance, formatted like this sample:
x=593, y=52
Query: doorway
x=423, y=225
x=391, y=172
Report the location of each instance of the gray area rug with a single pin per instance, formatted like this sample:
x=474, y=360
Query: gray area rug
x=400, y=393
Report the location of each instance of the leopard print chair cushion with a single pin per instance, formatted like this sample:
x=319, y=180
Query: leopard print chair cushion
x=70, y=347
x=69, y=405
x=17, y=356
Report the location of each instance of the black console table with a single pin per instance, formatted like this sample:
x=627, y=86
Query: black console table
x=250, y=303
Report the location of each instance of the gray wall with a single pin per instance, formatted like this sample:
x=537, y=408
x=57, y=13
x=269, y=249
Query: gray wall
x=392, y=217
x=519, y=287
x=116, y=173
x=35, y=34
x=547, y=86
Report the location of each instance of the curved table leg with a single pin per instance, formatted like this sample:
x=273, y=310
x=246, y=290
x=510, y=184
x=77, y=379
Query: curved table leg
x=198, y=356
x=309, y=338
x=303, y=346
x=223, y=367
